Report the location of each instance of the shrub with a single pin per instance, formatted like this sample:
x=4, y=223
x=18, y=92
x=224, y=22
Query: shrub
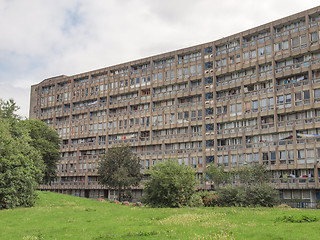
x=170, y=185
x=263, y=195
x=231, y=196
x=209, y=199
x=196, y=200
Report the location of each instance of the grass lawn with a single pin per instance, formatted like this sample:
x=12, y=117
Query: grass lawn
x=58, y=216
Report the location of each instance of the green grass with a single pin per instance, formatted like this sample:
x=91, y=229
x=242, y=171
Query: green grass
x=58, y=216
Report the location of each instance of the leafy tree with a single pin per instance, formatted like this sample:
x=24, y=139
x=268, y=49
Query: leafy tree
x=170, y=185
x=253, y=174
x=262, y=194
x=119, y=168
x=46, y=140
x=218, y=175
x=256, y=190
x=231, y=195
x=8, y=109
x=19, y=176
x=24, y=145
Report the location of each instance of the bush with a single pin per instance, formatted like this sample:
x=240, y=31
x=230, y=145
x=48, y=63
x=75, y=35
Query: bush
x=209, y=199
x=170, y=185
x=231, y=196
x=196, y=200
x=263, y=195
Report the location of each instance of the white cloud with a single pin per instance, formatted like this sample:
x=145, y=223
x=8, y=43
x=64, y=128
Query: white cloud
x=42, y=39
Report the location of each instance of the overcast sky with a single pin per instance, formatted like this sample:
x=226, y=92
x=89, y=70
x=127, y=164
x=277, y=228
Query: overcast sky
x=45, y=38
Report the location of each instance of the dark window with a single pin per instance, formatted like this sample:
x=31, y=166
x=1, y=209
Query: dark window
x=208, y=80
x=208, y=50
x=209, y=111
x=209, y=143
x=209, y=95
x=208, y=65
x=209, y=127
x=209, y=159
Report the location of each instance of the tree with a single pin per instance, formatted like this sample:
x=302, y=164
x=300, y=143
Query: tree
x=170, y=185
x=253, y=174
x=8, y=109
x=19, y=176
x=119, y=168
x=46, y=140
x=256, y=190
x=218, y=175
x=27, y=150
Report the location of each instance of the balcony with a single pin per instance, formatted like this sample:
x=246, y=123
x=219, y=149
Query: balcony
x=289, y=86
x=295, y=183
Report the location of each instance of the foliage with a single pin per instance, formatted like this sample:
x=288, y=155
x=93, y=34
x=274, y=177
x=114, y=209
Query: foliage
x=231, y=196
x=218, y=175
x=119, y=168
x=209, y=199
x=196, y=200
x=170, y=185
x=262, y=194
x=255, y=191
x=28, y=148
x=8, y=109
x=253, y=174
x=297, y=219
x=18, y=173
x=46, y=140
x=54, y=213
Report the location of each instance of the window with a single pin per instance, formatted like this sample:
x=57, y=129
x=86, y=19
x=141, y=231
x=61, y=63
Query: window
x=273, y=157
x=209, y=143
x=246, y=55
x=268, y=50
x=306, y=94
x=208, y=50
x=209, y=111
x=313, y=37
x=285, y=45
x=317, y=93
x=301, y=154
x=232, y=109
x=209, y=95
x=255, y=104
x=263, y=103
x=297, y=97
x=288, y=98
x=295, y=42
x=303, y=41
x=280, y=100
x=253, y=54
x=209, y=127
x=261, y=51
x=208, y=80
x=208, y=65
x=209, y=159
x=277, y=47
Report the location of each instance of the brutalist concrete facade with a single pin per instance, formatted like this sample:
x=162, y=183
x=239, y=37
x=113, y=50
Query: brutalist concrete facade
x=253, y=97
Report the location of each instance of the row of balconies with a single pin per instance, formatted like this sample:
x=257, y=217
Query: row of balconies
x=232, y=81
x=279, y=183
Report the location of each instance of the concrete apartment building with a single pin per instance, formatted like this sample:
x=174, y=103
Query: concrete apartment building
x=253, y=97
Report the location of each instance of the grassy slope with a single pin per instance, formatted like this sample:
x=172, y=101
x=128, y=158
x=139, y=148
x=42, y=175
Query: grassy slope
x=58, y=216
